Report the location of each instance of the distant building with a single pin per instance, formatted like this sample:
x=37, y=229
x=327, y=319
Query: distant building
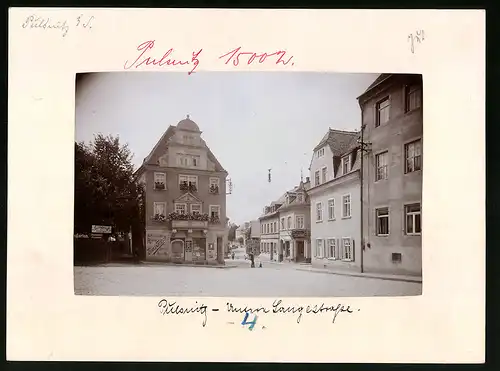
x=253, y=237
x=270, y=236
x=335, y=202
x=185, y=198
x=295, y=224
x=392, y=174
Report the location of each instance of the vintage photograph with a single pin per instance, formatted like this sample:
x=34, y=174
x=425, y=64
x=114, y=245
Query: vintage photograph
x=248, y=184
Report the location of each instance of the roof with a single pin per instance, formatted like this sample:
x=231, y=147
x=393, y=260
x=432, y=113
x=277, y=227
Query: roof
x=339, y=141
x=186, y=123
x=379, y=80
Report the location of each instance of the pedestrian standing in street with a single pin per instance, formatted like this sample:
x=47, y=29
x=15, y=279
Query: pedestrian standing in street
x=252, y=265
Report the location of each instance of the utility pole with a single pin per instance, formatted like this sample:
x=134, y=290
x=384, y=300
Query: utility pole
x=363, y=148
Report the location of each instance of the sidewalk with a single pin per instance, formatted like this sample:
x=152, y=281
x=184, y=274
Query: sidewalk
x=388, y=277
x=308, y=268
x=164, y=264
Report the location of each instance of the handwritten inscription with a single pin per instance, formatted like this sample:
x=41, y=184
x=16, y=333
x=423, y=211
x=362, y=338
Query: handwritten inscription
x=172, y=307
x=146, y=56
x=36, y=22
x=250, y=323
x=278, y=307
x=167, y=59
x=278, y=57
x=416, y=38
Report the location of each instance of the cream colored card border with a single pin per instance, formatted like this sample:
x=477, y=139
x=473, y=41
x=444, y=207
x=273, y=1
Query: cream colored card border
x=46, y=321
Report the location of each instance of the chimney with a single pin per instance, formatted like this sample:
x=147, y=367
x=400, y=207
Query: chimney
x=307, y=179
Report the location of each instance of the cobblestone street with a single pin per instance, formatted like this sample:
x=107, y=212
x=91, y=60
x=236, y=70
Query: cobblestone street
x=236, y=280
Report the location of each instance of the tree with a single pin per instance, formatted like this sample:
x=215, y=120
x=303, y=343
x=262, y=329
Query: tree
x=231, y=236
x=105, y=190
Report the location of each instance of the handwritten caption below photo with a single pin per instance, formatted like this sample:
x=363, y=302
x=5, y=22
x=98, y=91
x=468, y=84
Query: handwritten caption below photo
x=249, y=315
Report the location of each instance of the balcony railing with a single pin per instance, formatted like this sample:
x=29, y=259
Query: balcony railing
x=187, y=187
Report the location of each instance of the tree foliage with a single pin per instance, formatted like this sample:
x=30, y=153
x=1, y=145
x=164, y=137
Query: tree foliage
x=232, y=232
x=105, y=190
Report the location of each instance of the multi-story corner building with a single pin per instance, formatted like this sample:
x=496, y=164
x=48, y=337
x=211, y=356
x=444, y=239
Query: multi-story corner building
x=335, y=202
x=270, y=235
x=392, y=129
x=295, y=224
x=185, y=198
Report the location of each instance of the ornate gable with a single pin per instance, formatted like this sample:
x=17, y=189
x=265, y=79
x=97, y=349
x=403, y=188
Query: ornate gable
x=188, y=198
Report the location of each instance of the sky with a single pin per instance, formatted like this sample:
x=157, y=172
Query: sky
x=252, y=121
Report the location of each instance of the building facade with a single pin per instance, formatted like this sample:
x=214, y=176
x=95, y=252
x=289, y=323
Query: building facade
x=295, y=225
x=335, y=202
x=270, y=234
x=185, y=188
x=253, y=238
x=392, y=174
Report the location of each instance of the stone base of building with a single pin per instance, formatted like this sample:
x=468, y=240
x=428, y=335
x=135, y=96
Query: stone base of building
x=190, y=246
x=336, y=265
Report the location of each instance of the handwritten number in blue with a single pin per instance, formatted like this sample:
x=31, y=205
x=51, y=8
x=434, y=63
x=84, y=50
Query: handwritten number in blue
x=252, y=323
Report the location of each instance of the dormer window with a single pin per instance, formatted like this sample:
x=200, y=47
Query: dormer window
x=320, y=153
x=300, y=197
x=346, y=164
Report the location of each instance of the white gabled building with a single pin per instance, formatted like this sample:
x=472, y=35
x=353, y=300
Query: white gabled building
x=335, y=202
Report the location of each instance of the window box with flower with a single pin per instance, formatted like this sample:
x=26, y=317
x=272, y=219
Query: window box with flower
x=214, y=219
x=189, y=216
x=214, y=189
x=160, y=186
x=159, y=218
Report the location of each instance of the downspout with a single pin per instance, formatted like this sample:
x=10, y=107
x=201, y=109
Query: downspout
x=361, y=188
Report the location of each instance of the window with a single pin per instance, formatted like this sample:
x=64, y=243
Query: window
x=182, y=159
x=347, y=249
x=316, y=178
x=346, y=164
x=396, y=257
x=215, y=211
x=323, y=175
x=413, y=97
x=189, y=179
x=160, y=180
x=413, y=156
x=331, y=209
x=267, y=228
x=289, y=222
x=195, y=161
x=299, y=222
x=383, y=108
x=160, y=208
x=195, y=208
x=300, y=197
x=346, y=206
x=319, y=248
x=319, y=212
x=381, y=165
x=214, y=182
x=320, y=152
x=282, y=223
x=382, y=221
x=332, y=248
x=275, y=227
x=413, y=219
x=180, y=208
